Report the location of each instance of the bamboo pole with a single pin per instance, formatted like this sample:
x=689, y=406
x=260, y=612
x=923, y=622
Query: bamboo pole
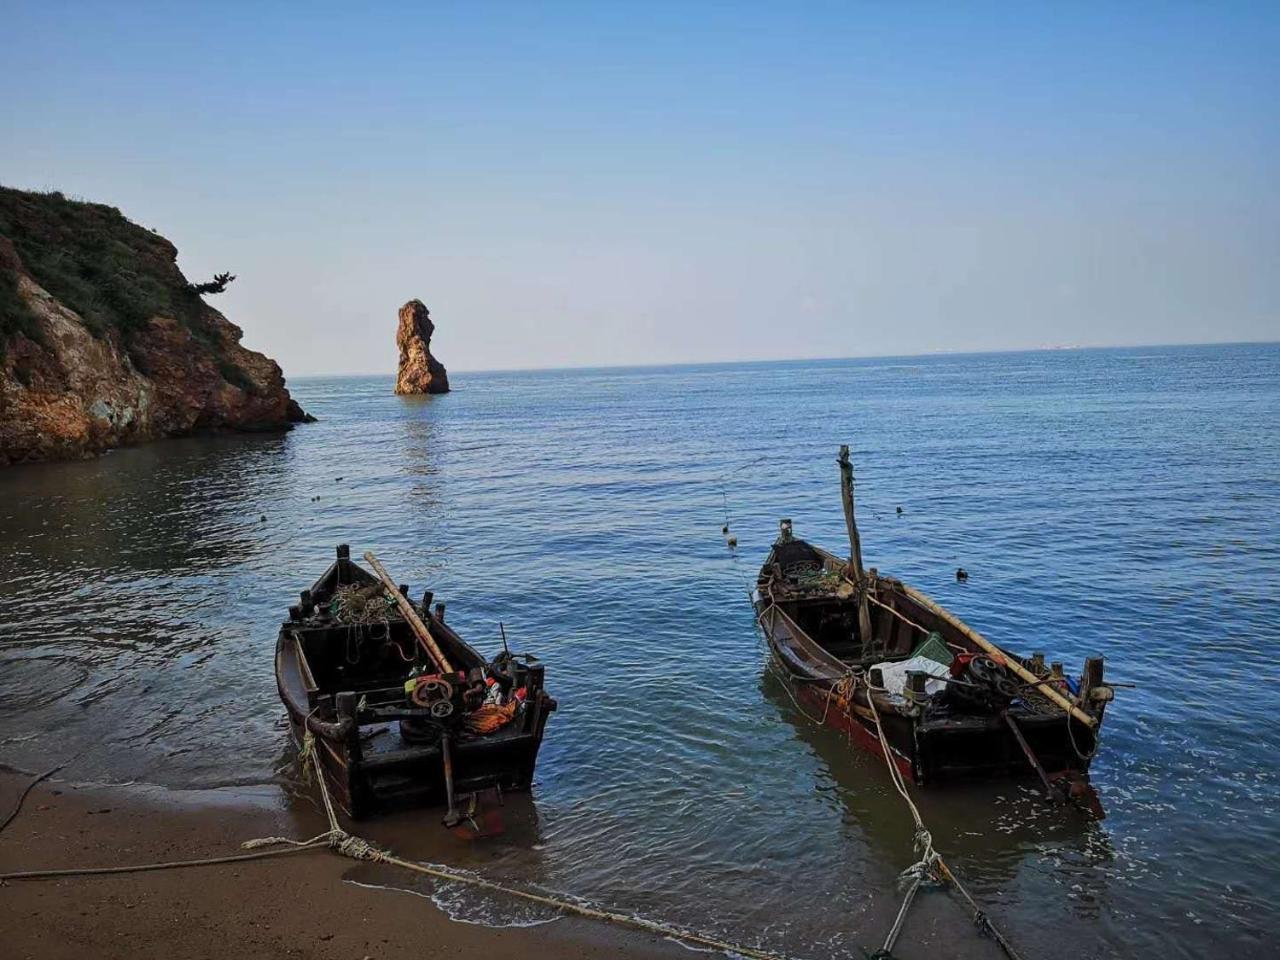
x=1066, y=703
x=855, y=544
x=419, y=628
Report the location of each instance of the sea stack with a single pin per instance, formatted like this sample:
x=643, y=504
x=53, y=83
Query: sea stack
x=420, y=372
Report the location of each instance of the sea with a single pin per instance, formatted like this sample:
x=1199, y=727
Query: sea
x=1119, y=502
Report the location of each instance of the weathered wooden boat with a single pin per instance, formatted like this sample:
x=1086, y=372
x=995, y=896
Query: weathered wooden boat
x=869, y=655
x=400, y=709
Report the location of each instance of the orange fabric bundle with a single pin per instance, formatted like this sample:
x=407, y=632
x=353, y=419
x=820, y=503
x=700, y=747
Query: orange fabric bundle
x=490, y=718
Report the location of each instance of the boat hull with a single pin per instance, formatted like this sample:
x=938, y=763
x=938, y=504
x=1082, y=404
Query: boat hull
x=925, y=750
x=372, y=769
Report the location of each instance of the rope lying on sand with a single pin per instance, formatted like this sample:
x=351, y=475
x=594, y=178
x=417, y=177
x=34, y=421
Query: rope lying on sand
x=357, y=848
x=23, y=795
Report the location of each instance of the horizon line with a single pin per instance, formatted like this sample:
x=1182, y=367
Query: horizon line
x=869, y=356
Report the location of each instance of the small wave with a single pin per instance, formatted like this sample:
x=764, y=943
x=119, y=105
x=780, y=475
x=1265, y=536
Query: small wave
x=464, y=906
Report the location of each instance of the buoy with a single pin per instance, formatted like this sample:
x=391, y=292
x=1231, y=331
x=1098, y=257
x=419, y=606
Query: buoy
x=725, y=529
x=263, y=518
x=733, y=542
x=899, y=511
x=961, y=574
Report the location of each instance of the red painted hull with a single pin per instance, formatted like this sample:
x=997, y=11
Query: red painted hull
x=836, y=715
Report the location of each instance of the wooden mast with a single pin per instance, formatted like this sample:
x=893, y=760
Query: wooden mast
x=850, y=523
x=855, y=545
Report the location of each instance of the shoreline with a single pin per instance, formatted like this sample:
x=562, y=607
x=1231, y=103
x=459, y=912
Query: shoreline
x=312, y=904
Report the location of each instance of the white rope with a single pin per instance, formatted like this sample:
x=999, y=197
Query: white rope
x=930, y=866
x=923, y=839
x=357, y=848
x=360, y=849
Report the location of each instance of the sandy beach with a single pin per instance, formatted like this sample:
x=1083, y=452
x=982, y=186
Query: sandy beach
x=292, y=906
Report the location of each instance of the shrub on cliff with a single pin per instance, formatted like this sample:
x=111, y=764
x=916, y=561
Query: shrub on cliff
x=15, y=317
x=115, y=274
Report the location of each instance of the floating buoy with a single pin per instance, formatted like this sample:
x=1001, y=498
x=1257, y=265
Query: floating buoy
x=961, y=574
x=899, y=511
x=263, y=518
x=733, y=542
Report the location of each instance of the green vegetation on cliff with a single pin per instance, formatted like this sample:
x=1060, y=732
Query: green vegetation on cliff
x=15, y=316
x=115, y=274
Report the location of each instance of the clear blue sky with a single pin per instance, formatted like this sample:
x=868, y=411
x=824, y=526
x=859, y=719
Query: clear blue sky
x=612, y=184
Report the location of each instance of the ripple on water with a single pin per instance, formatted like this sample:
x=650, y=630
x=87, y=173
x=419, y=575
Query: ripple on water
x=1100, y=502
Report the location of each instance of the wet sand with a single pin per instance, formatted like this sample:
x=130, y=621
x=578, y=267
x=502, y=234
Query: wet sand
x=292, y=906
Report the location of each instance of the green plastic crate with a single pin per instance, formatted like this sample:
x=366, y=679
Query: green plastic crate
x=934, y=648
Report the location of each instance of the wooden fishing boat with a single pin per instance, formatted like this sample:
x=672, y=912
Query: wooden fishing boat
x=908, y=680
x=398, y=707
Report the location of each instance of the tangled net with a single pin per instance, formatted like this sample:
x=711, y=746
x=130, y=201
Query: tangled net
x=361, y=605
x=1037, y=703
x=807, y=576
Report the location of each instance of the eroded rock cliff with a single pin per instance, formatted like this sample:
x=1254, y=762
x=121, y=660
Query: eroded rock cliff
x=103, y=342
x=420, y=372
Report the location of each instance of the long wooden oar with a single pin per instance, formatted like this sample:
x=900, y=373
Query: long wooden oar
x=419, y=628
x=1054, y=793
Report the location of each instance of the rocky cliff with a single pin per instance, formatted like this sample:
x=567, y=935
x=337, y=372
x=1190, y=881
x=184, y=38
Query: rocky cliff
x=103, y=342
x=420, y=372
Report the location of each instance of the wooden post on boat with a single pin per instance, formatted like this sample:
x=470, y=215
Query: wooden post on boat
x=424, y=635
x=855, y=546
x=850, y=522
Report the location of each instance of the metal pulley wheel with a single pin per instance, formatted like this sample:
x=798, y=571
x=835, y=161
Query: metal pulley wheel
x=432, y=690
x=1006, y=686
x=441, y=709
x=994, y=675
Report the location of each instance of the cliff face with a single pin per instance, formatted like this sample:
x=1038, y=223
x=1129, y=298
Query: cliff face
x=103, y=343
x=420, y=372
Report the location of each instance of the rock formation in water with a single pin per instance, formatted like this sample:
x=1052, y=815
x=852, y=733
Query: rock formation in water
x=103, y=342
x=420, y=372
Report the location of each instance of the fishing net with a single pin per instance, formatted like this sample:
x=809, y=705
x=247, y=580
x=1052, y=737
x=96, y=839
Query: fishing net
x=361, y=604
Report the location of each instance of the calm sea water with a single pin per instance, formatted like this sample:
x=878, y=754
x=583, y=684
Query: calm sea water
x=1120, y=502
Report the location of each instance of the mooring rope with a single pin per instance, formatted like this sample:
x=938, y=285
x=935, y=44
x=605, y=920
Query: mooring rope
x=930, y=865
x=357, y=848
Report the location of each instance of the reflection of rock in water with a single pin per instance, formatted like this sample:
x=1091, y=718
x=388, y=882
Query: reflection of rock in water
x=986, y=830
x=417, y=443
x=114, y=569
x=154, y=509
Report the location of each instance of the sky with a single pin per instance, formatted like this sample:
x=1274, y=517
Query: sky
x=615, y=184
